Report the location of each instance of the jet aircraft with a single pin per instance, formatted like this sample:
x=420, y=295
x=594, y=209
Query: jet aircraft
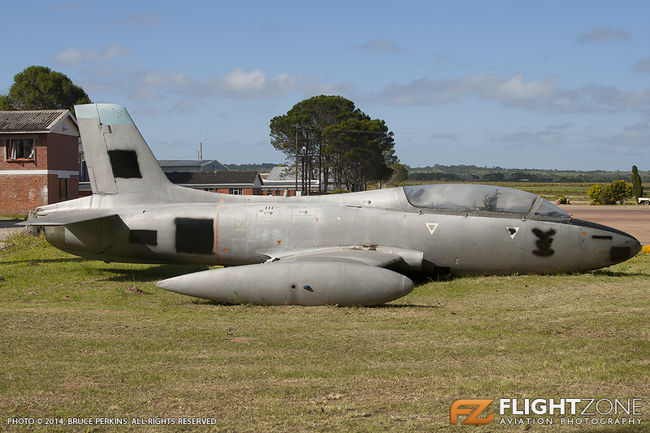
x=345, y=249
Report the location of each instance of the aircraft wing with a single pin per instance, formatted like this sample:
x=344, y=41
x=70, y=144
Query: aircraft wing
x=377, y=256
x=61, y=218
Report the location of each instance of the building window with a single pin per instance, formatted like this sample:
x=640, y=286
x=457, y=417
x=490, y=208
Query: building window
x=20, y=149
x=235, y=191
x=63, y=189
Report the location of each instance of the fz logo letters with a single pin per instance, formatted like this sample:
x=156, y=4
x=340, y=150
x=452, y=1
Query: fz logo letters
x=470, y=409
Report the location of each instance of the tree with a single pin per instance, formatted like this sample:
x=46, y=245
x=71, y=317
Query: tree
x=303, y=127
x=400, y=174
x=5, y=104
x=40, y=88
x=362, y=150
x=637, y=185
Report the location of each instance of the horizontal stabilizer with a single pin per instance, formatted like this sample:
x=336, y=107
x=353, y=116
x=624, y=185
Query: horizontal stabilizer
x=62, y=218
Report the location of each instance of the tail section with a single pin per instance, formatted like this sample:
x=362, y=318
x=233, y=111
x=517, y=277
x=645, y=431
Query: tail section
x=118, y=159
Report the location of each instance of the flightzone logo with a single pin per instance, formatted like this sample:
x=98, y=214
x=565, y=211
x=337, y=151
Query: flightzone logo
x=472, y=409
x=541, y=411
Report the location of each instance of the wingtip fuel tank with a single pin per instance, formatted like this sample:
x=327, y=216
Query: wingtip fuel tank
x=304, y=283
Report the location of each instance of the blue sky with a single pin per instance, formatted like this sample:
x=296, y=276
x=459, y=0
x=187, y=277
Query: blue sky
x=552, y=84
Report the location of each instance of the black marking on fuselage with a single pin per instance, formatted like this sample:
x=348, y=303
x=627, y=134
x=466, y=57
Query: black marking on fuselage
x=145, y=237
x=512, y=231
x=125, y=164
x=618, y=254
x=194, y=235
x=601, y=237
x=543, y=243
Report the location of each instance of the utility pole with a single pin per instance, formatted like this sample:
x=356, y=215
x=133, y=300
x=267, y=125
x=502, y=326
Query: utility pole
x=296, y=159
x=201, y=145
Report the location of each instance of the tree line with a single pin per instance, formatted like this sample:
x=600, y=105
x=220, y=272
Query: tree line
x=472, y=173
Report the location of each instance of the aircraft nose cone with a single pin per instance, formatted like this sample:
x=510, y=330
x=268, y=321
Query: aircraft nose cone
x=609, y=245
x=628, y=249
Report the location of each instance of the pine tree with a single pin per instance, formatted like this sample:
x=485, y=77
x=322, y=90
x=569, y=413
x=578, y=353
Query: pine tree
x=637, y=185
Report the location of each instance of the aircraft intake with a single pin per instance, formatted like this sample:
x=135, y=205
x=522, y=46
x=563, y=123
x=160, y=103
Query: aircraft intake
x=294, y=283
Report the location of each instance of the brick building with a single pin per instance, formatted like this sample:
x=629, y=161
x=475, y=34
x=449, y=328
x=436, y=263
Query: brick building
x=225, y=182
x=39, y=161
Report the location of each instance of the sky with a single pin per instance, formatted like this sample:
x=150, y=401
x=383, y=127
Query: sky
x=553, y=84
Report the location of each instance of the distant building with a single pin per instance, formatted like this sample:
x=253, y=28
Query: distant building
x=225, y=182
x=282, y=179
x=40, y=159
x=181, y=165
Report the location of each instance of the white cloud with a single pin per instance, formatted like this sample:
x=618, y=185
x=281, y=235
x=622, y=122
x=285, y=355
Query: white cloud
x=632, y=140
x=540, y=139
x=251, y=84
x=439, y=136
x=604, y=34
x=515, y=91
x=383, y=45
x=75, y=56
x=68, y=5
x=642, y=65
x=314, y=87
x=148, y=20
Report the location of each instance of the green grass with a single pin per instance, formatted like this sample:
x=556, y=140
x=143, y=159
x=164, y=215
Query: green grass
x=89, y=339
x=12, y=217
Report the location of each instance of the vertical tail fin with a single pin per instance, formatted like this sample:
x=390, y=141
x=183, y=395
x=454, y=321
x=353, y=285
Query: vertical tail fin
x=118, y=159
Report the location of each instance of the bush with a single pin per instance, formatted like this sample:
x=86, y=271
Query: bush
x=561, y=199
x=620, y=191
x=617, y=191
x=594, y=193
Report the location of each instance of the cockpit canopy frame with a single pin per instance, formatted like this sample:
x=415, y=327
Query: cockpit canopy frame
x=482, y=200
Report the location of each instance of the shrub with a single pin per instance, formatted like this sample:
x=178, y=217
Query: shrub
x=617, y=191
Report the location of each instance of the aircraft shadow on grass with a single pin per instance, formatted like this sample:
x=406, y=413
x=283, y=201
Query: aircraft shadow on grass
x=35, y=262
x=606, y=273
x=153, y=273
x=382, y=306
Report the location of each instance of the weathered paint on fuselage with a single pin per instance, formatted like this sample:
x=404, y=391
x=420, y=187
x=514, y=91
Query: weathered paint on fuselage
x=236, y=230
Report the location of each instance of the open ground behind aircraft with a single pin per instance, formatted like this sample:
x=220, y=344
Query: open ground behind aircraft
x=345, y=249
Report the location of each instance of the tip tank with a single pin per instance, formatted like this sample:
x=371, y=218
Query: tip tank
x=294, y=283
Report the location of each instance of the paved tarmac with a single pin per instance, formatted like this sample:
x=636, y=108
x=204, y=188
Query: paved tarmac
x=8, y=227
x=634, y=219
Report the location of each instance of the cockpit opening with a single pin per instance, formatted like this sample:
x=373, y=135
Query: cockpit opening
x=481, y=199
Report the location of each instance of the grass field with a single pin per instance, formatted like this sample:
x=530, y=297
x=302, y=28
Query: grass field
x=90, y=339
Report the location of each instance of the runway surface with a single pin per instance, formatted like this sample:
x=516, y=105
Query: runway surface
x=634, y=220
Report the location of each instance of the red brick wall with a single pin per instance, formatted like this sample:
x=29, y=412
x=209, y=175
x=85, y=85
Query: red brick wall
x=62, y=152
x=20, y=194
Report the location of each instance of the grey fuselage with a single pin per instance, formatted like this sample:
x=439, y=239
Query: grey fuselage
x=217, y=229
